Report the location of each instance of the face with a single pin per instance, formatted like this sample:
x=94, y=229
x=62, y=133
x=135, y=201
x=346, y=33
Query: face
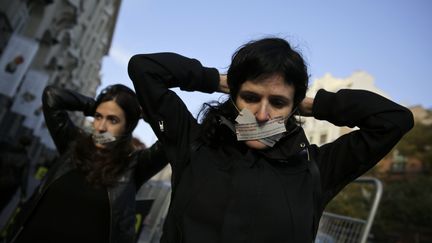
x=109, y=117
x=266, y=98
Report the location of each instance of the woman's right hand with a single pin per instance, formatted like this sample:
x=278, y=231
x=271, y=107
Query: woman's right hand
x=223, y=84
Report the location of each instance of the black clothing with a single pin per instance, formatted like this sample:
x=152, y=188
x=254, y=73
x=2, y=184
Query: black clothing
x=143, y=164
x=55, y=210
x=14, y=167
x=230, y=193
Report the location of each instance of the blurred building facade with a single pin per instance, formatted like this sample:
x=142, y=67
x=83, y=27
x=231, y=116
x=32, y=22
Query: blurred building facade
x=321, y=132
x=422, y=115
x=397, y=166
x=45, y=42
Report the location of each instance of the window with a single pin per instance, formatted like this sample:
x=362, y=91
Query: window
x=399, y=163
x=323, y=139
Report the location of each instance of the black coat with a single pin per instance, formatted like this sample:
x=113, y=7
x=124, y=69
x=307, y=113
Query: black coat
x=144, y=164
x=230, y=193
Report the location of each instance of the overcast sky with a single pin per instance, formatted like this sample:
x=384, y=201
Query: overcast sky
x=389, y=39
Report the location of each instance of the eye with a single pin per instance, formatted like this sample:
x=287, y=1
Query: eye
x=250, y=97
x=97, y=116
x=114, y=120
x=278, y=102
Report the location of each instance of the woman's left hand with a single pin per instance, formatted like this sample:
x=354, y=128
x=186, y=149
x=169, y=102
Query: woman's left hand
x=306, y=106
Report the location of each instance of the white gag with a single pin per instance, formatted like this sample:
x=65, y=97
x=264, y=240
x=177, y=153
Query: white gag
x=103, y=138
x=247, y=128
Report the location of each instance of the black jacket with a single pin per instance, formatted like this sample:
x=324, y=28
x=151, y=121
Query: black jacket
x=144, y=163
x=230, y=193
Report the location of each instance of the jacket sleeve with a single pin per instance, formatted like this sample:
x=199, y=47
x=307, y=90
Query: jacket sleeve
x=153, y=75
x=150, y=162
x=56, y=102
x=381, y=123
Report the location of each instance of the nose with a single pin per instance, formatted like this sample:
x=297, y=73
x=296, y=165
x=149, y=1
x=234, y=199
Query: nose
x=262, y=114
x=101, y=126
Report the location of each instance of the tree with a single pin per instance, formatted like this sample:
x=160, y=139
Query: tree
x=418, y=143
x=406, y=210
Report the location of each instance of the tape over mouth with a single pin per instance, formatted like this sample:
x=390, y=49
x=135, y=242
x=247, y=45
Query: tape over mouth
x=270, y=132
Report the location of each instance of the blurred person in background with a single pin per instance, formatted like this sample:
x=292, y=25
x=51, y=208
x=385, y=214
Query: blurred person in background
x=88, y=194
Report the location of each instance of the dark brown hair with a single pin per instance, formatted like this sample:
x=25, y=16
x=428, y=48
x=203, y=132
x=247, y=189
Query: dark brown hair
x=103, y=166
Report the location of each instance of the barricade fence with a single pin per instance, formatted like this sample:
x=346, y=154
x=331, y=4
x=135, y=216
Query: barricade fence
x=338, y=228
x=333, y=227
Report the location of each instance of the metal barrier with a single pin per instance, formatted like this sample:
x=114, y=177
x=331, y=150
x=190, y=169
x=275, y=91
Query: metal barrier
x=160, y=192
x=334, y=228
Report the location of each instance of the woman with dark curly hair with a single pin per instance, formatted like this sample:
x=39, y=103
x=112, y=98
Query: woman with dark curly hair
x=247, y=173
x=88, y=195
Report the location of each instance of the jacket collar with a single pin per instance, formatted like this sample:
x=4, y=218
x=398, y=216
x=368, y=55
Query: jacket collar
x=290, y=145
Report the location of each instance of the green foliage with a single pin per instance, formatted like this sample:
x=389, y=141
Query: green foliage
x=405, y=209
x=406, y=205
x=417, y=143
x=355, y=201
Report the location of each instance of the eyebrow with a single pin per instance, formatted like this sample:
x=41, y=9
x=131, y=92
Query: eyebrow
x=248, y=92
x=108, y=116
x=113, y=116
x=287, y=99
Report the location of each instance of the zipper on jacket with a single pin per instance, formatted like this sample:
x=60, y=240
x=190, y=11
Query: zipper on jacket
x=305, y=148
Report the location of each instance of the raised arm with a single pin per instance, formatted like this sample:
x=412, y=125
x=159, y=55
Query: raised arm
x=152, y=76
x=56, y=102
x=150, y=162
x=381, y=123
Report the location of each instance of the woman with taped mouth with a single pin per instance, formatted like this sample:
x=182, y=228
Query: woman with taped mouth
x=246, y=172
x=88, y=195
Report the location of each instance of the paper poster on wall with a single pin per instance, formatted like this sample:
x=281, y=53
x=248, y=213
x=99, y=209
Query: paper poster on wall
x=28, y=99
x=15, y=61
